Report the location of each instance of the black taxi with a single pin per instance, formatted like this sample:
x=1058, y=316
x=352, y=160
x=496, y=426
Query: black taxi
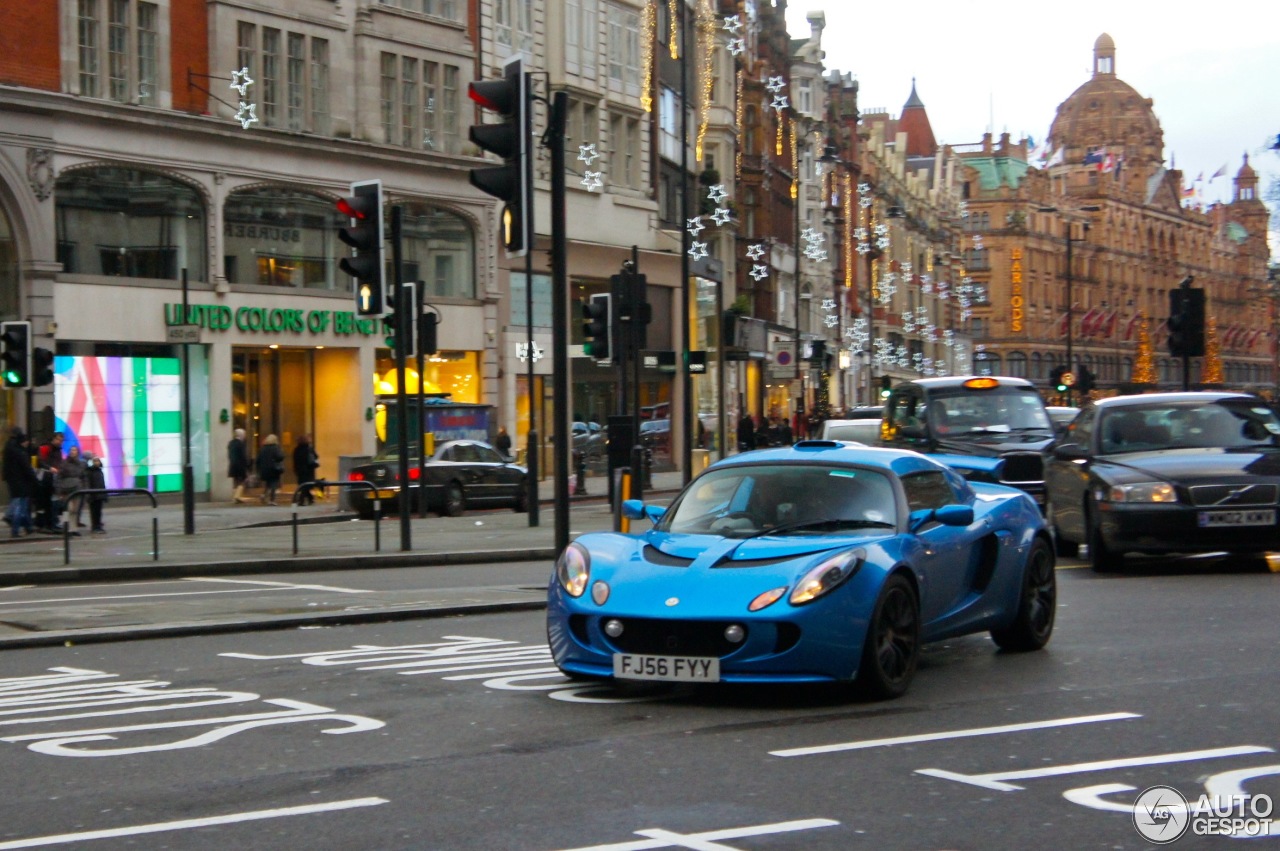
x=989, y=428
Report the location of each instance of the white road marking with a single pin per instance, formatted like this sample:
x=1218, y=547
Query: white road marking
x=187, y=824
x=954, y=734
x=285, y=585
x=996, y=780
x=659, y=838
x=259, y=586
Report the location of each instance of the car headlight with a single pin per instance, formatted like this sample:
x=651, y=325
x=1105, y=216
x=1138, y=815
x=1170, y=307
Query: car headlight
x=573, y=568
x=826, y=575
x=1143, y=492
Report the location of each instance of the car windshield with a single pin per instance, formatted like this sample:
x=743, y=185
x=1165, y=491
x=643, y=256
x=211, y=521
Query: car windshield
x=1225, y=424
x=748, y=500
x=988, y=412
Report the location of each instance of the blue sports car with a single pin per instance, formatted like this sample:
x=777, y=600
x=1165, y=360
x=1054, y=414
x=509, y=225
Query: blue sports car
x=820, y=562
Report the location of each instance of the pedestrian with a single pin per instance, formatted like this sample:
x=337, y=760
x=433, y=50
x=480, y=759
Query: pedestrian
x=95, y=479
x=270, y=468
x=305, y=464
x=746, y=433
x=502, y=442
x=42, y=503
x=238, y=463
x=785, y=434
x=70, y=480
x=51, y=452
x=20, y=478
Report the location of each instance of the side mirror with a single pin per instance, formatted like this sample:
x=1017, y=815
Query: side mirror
x=633, y=509
x=947, y=515
x=1070, y=452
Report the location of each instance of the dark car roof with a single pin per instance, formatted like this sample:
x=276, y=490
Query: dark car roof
x=1194, y=396
x=959, y=380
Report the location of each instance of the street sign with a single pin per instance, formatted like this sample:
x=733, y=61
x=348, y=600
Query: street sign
x=1069, y=379
x=182, y=334
x=698, y=362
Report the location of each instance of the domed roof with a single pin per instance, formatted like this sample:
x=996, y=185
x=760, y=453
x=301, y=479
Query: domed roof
x=1107, y=112
x=1246, y=170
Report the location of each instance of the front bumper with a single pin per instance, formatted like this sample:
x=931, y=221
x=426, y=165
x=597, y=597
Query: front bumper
x=1176, y=529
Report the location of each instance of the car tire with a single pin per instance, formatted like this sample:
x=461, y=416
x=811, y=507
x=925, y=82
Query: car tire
x=521, y=504
x=891, y=649
x=1062, y=548
x=455, y=501
x=1037, y=604
x=1101, y=558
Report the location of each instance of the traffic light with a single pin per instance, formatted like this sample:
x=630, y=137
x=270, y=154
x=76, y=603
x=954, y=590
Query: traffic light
x=41, y=367
x=364, y=208
x=597, y=327
x=427, y=323
x=1057, y=379
x=511, y=140
x=15, y=354
x=818, y=354
x=1085, y=379
x=886, y=386
x=1186, y=322
x=631, y=304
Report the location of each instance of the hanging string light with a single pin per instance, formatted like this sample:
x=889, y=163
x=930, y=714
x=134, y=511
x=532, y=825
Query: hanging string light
x=795, y=163
x=647, y=37
x=673, y=12
x=707, y=39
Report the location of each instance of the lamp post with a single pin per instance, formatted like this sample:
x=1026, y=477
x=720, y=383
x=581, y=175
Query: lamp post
x=1070, y=241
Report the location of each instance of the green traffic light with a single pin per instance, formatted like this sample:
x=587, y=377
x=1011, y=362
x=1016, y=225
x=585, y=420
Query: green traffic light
x=12, y=377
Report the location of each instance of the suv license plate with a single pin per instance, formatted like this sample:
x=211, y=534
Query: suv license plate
x=683, y=669
x=1238, y=518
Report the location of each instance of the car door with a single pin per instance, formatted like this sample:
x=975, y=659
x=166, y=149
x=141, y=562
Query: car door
x=1066, y=475
x=947, y=560
x=499, y=480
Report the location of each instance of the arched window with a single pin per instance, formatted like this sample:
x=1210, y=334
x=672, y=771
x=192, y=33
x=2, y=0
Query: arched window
x=129, y=223
x=1017, y=365
x=278, y=236
x=10, y=303
x=439, y=248
x=986, y=363
x=1037, y=369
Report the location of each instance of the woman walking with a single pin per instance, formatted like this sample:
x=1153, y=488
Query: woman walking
x=95, y=479
x=305, y=464
x=237, y=463
x=70, y=480
x=270, y=468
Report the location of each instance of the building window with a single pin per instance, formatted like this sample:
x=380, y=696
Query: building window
x=669, y=124
x=582, y=127
x=513, y=24
x=580, y=37
x=804, y=95
x=282, y=237
x=449, y=117
x=419, y=113
x=387, y=95
x=439, y=248
x=408, y=101
x=624, y=149
x=129, y=39
x=447, y=9
x=293, y=86
x=624, y=49
x=129, y=223
x=1018, y=365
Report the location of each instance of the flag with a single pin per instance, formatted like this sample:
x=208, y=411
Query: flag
x=1200, y=179
x=1108, y=164
x=1119, y=165
x=1095, y=156
x=1188, y=192
x=1128, y=329
x=1058, y=157
x=1219, y=173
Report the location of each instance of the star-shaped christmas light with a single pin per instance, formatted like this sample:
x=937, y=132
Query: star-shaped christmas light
x=881, y=229
x=246, y=114
x=717, y=194
x=240, y=80
x=864, y=188
x=588, y=153
x=732, y=24
x=721, y=216
x=830, y=320
x=756, y=251
x=828, y=304
x=428, y=140
x=776, y=84
x=591, y=180
x=759, y=270
x=694, y=225
x=779, y=103
x=522, y=352
x=808, y=234
x=865, y=201
x=698, y=250
x=737, y=46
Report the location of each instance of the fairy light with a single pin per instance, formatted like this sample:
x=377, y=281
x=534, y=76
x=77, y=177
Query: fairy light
x=673, y=12
x=706, y=69
x=647, y=38
x=795, y=163
x=738, y=122
x=847, y=200
x=777, y=145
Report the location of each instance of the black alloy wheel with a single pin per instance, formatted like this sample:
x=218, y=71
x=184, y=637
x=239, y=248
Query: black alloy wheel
x=521, y=504
x=891, y=649
x=1101, y=558
x=1037, y=605
x=455, y=501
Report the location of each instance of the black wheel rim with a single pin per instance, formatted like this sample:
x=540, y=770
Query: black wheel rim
x=453, y=500
x=896, y=635
x=1042, y=590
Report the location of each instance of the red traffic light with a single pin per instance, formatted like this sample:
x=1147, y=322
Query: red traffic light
x=346, y=208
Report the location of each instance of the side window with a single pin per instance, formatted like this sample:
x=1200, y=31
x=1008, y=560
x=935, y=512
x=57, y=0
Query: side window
x=906, y=409
x=927, y=490
x=465, y=452
x=1080, y=431
x=487, y=455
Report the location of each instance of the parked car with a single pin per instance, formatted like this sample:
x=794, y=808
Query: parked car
x=819, y=562
x=589, y=439
x=1166, y=473
x=991, y=428
x=461, y=473
x=866, y=431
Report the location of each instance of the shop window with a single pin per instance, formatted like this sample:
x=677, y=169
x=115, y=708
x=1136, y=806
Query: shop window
x=439, y=248
x=281, y=237
x=1017, y=365
x=130, y=223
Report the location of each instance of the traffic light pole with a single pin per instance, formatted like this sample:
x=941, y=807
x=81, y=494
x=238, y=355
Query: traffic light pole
x=188, y=474
x=1184, y=290
x=402, y=399
x=559, y=317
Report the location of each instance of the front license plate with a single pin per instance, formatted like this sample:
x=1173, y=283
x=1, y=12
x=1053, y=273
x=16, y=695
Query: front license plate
x=1237, y=518
x=683, y=669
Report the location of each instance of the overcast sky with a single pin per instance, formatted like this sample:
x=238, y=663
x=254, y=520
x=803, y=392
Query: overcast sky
x=1213, y=70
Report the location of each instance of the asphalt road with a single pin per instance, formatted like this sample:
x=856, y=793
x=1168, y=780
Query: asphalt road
x=456, y=733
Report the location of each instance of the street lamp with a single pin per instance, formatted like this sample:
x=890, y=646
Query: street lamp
x=1070, y=240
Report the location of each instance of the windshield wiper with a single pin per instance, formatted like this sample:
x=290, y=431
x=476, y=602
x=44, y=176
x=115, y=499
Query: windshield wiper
x=830, y=523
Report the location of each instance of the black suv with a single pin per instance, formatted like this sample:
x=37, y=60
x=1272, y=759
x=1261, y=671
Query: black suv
x=991, y=429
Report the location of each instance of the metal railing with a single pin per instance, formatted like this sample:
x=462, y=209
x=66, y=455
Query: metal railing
x=81, y=494
x=304, y=490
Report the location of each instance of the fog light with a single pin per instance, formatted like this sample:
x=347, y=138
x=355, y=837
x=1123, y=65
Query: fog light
x=600, y=592
x=613, y=628
x=734, y=634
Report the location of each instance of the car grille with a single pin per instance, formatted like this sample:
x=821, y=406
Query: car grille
x=1223, y=495
x=1022, y=468
x=674, y=638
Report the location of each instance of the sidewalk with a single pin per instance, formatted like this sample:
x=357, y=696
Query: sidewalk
x=253, y=538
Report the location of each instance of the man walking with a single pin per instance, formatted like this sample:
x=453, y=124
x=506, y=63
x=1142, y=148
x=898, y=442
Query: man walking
x=21, y=480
